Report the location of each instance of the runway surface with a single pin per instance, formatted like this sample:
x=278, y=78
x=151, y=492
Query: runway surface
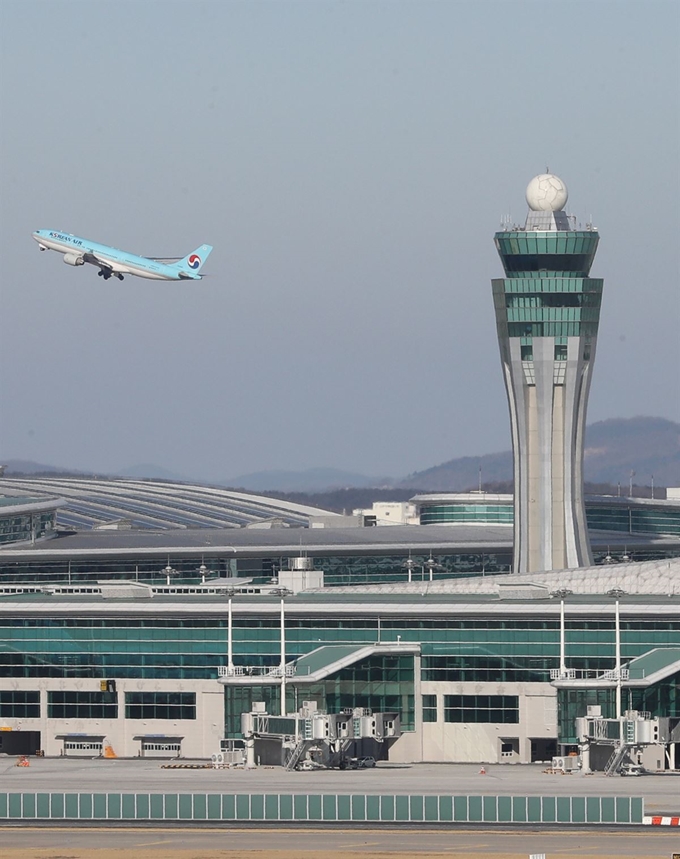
x=29, y=842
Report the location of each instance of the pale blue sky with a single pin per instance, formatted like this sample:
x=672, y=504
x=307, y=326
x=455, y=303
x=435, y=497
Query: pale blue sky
x=350, y=162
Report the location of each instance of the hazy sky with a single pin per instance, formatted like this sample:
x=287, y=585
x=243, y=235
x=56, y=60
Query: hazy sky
x=350, y=162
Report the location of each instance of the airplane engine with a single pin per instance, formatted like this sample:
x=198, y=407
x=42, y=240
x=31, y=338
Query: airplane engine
x=73, y=259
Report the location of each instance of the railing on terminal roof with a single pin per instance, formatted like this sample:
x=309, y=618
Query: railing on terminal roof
x=588, y=674
x=255, y=671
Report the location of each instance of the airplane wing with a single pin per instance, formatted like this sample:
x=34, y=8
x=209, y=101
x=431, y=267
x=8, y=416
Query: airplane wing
x=91, y=258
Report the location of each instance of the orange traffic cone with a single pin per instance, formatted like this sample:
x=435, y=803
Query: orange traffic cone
x=482, y=771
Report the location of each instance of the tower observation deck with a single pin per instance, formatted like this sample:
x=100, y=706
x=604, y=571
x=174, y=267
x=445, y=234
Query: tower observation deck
x=547, y=314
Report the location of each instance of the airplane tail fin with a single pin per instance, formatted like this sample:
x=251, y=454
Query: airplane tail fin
x=193, y=262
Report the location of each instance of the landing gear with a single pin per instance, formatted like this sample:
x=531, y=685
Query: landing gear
x=104, y=273
x=120, y=276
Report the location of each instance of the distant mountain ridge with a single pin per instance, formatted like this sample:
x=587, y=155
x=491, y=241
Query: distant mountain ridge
x=614, y=448
x=310, y=480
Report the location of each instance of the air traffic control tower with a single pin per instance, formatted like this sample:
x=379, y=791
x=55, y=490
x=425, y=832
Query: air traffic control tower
x=547, y=314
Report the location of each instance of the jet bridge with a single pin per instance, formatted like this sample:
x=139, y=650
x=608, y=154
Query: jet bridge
x=312, y=738
x=626, y=739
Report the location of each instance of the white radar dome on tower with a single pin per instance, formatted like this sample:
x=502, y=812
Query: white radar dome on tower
x=547, y=193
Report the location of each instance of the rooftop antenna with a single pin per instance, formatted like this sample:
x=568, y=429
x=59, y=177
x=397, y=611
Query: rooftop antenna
x=480, y=479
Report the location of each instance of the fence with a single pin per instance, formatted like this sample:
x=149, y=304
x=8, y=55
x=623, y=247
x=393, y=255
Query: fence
x=386, y=808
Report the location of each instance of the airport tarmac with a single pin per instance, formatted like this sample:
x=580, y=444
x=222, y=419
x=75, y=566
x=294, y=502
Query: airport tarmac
x=661, y=792
x=232, y=842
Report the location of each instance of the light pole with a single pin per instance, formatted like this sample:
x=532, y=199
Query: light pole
x=409, y=563
x=561, y=594
x=230, y=635
x=284, y=592
x=617, y=593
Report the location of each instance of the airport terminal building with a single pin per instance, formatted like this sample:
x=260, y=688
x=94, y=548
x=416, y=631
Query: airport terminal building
x=118, y=641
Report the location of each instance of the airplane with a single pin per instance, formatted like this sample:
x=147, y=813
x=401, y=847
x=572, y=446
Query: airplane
x=112, y=262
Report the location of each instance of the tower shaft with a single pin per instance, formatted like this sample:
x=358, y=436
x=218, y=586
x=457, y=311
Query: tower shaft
x=547, y=315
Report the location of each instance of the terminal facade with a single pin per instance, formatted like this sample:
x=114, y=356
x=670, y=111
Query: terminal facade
x=469, y=667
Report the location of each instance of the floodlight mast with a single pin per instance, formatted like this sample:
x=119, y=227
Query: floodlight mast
x=617, y=593
x=562, y=593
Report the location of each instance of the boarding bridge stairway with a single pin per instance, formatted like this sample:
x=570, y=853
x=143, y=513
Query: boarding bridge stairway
x=298, y=753
x=618, y=756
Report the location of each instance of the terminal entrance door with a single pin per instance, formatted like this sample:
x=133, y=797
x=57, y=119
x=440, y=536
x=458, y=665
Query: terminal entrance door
x=19, y=742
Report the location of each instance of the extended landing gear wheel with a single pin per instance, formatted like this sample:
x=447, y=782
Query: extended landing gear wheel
x=100, y=273
x=120, y=277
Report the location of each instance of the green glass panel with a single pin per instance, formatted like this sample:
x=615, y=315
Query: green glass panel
x=228, y=806
x=71, y=806
x=185, y=806
x=128, y=806
x=593, y=809
x=156, y=806
x=85, y=808
x=56, y=805
x=142, y=806
x=402, y=808
x=534, y=809
x=504, y=809
x=431, y=808
x=608, y=809
x=200, y=806
x=460, y=809
x=214, y=806
x=372, y=808
x=43, y=805
x=300, y=811
x=286, y=807
x=113, y=803
x=475, y=810
x=416, y=807
x=271, y=807
x=564, y=809
x=242, y=806
x=490, y=810
x=344, y=808
x=328, y=809
x=28, y=806
x=578, y=809
x=445, y=808
x=548, y=809
x=171, y=801
x=257, y=806
x=387, y=808
x=359, y=807
x=623, y=809
x=15, y=805
x=3, y=805
x=637, y=809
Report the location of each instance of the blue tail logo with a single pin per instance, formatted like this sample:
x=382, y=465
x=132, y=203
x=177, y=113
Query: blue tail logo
x=194, y=261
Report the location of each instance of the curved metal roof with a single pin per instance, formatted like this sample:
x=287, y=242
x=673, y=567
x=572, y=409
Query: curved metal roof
x=156, y=505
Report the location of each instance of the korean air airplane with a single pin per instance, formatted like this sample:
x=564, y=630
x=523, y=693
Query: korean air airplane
x=111, y=261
